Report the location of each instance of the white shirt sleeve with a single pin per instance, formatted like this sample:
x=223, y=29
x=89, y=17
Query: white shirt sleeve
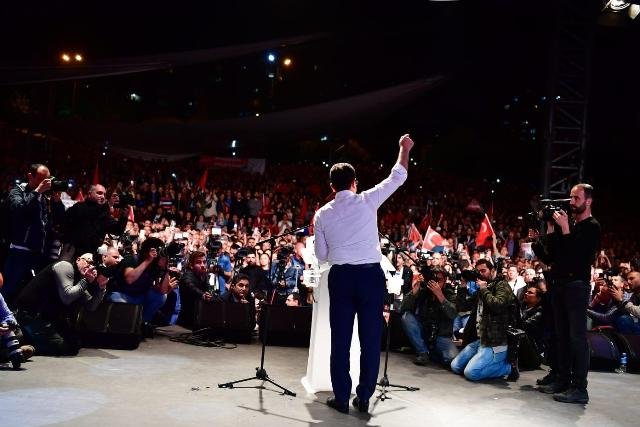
x=381, y=192
x=320, y=244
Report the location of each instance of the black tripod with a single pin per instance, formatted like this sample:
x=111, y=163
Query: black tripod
x=261, y=373
x=384, y=381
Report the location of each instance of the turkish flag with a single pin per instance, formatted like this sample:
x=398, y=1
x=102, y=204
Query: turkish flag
x=432, y=239
x=79, y=196
x=202, y=182
x=426, y=221
x=414, y=234
x=131, y=217
x=485, y=234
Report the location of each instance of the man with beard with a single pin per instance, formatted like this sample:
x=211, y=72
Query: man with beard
x=570, y=250
x=86, y=223
x=193, y=287
x=258, y=283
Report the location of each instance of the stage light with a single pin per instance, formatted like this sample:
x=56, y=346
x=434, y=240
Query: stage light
x=287, y=62
x=618, y=13
x=78, y=57
x=65, y=57
x=233, y=143
x=324, y=138
x=271, y=57
x=135, y=97
x=233, y=154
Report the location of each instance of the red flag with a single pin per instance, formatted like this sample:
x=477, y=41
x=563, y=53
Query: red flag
x=96, y=175
x=79, y=196
x=202, y=182
x=432, y=239
x=486, y=232
x=414, y=234
x=426, y=221
x=131, y=217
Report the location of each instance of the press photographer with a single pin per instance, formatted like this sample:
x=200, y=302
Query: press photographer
x=86, y=223
x=145, y=279
x=219, y=263
x=48, y=305
x=427, y=318
x=285, y=274
x=569, y=248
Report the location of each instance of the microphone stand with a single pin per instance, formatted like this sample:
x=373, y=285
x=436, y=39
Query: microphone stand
x=384, y=381
x=261, y=373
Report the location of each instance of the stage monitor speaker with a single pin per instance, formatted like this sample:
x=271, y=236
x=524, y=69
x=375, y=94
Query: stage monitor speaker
x=229, y=321
x=111, y=325
x=288, y=326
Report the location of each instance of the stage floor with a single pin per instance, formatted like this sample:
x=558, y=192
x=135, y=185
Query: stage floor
x=168, y=383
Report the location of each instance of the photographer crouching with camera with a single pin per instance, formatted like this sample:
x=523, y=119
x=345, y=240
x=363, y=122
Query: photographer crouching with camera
x=145, y=279
x=48, y=305
x=569, y=250
x=428, y=311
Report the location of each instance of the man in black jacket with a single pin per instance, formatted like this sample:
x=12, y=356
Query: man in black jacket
x=28, y=225
x=194, y=287
x=86, y=223
x=570, y=250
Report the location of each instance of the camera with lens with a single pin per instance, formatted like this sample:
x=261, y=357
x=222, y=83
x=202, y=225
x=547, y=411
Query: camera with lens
x=547, y=207
x=124, y=199
x=11, y=343
x=283, y=254
x=59, y=184
x=214, y=244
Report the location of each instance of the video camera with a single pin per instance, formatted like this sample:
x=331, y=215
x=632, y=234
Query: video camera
x=283, y=254
x=547, y=207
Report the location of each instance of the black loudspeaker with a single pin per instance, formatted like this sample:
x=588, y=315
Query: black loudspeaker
x=111, y=325
x=229, y=321
x=288, y=326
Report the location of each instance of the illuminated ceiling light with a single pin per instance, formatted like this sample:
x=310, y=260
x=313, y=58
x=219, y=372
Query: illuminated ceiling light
x=78, y=57
x=233, y=143
x=65, y=57
x=271, y=57
x=135, y=97
x=287, y=62
x=618, y=13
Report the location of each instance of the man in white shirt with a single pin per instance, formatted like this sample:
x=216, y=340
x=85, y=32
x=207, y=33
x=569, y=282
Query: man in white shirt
x=346, y=236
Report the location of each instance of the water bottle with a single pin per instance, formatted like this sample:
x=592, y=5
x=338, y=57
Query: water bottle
x=623, y=364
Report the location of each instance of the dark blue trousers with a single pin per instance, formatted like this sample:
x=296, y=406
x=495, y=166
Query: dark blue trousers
x=355, y=289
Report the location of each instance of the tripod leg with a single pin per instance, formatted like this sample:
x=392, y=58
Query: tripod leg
x=284, y=390
x=404, y=387
x=230, y=385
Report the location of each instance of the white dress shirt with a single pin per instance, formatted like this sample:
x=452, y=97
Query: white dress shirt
x=346, y=228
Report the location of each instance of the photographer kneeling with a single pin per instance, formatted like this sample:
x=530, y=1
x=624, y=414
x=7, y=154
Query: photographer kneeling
x=485, y=336
x=145, y=279
x=47, y=307
x=427, y=317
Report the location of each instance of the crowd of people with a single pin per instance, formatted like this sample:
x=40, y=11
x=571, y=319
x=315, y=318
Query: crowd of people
x=149, y=233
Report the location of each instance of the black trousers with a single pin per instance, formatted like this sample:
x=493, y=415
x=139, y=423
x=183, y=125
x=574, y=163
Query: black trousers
x=570, y=301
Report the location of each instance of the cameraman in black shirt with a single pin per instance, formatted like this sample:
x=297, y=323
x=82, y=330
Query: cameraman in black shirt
x=570, y=250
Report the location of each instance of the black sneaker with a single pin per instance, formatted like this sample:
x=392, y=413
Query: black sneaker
x=421, y=359
x=553, y=388
x=573, y=395
x=340, y=407
x=547, y=379
x=361, y=405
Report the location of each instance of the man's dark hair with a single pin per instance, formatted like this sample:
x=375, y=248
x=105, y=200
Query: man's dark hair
x=439, y=270
x=537, y=288
x=33, y=168
x=587, y=188
x=486, y=262
x=342, y=176
x=147, y=245
x=193, y=256
x=239, y=277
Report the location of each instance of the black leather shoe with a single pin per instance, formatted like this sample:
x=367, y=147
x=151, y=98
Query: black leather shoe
x=340, y=407
x=553, y=388
x=547, y=379
x=573, y=395
x=361, y=405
